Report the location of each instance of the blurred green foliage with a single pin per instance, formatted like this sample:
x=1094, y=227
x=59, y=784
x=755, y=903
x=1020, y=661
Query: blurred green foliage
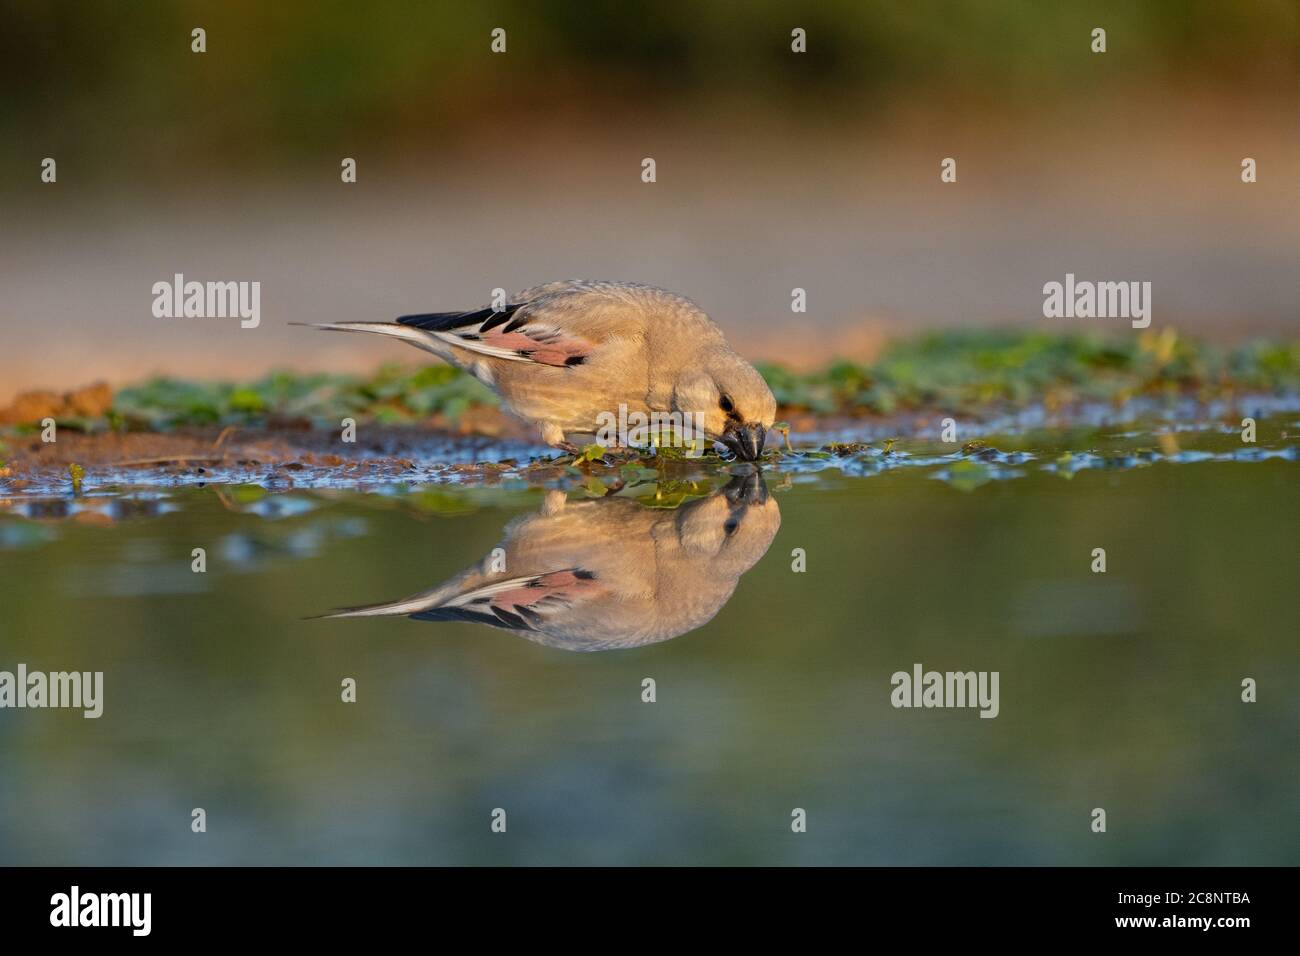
x=392, y=394
x=118, y=82
x=952, y=370
x=968, y=369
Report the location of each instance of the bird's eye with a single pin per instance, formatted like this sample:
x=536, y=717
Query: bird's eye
x=726, y=404
x=730, y=526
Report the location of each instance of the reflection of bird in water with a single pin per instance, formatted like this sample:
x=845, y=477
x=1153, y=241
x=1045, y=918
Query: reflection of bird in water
x=609, y=572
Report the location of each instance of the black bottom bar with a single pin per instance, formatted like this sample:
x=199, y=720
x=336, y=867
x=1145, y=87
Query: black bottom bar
x=335, y=905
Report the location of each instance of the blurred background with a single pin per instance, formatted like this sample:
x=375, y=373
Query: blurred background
x=774, y=169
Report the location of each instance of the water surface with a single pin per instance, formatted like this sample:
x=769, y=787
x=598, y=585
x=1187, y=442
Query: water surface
x=1119, y=690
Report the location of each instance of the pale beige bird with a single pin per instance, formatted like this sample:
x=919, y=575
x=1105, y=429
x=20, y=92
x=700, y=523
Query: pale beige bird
x=561, y=355
x=606, y=573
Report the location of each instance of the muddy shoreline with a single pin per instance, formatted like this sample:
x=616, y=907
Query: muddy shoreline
x=259, y=455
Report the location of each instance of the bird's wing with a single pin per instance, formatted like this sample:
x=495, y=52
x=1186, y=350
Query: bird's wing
x=519, y=332
x=567, y=323
x=523, y=604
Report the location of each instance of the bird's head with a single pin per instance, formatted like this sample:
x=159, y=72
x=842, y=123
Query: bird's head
x=731, y=528
x=731, y=399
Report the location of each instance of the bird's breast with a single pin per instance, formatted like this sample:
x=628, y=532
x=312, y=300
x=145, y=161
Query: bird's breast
x=575, y=398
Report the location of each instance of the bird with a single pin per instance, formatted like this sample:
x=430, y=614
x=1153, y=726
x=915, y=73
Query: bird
x=606, y=573
x=564, y=354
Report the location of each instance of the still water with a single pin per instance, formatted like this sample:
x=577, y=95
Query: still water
x=500, y=638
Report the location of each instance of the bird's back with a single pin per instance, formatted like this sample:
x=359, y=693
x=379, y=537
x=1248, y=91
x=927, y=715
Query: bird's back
x=642, y=337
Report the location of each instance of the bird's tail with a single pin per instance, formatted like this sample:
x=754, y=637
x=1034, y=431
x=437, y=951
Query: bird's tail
x=368, y=610
x=395, y=329
x=407, y=605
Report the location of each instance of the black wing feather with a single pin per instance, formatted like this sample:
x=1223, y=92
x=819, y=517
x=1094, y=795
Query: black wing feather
x=494, y=618
x=451, y=321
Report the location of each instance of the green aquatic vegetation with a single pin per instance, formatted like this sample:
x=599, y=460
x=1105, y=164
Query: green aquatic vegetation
x=845, y=448
x=956, y=370
x=634, y=473
x=950, y=371
x=967, y=475
x=438, y=502
x=457, y=500
x=673, y=493
x=424, y=392
x=393, y=394
x=78, y=475
x=1065, y=465
x=669, y=453
x=246, y=494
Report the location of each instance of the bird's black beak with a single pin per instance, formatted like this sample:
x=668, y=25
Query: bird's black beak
x=748, y=489
x=745, y=440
